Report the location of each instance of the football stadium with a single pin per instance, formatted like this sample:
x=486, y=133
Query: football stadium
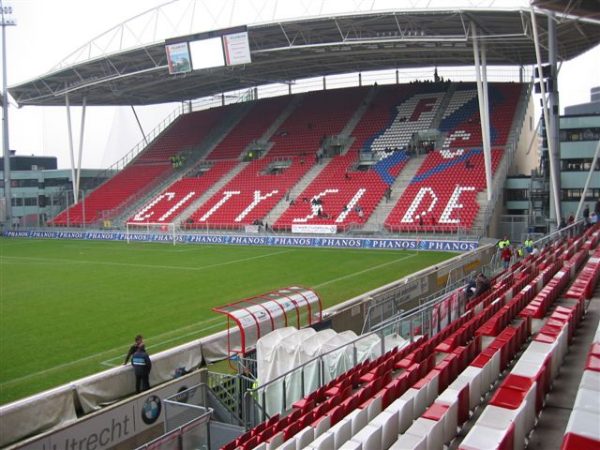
x=361, y=225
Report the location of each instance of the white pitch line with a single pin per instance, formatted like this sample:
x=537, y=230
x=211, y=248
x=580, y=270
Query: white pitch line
x=144, y=266
x=96, y=355
x=89, y=357
x=172, y=249
x=360, y=272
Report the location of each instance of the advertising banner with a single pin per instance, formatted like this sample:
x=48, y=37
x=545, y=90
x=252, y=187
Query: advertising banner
x=275, y=241
x=112, y=426
x=178, y=58
x=314, y=229
x=237, y=49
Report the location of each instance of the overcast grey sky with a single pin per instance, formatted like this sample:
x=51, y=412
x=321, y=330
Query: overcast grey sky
x=47, y=31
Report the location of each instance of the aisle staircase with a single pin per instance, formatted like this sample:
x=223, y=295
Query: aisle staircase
x=216, y=187
x=377, y=219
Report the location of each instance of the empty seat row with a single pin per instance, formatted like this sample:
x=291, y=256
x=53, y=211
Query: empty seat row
x=513, y=409
x=582, y=430
x=389, y=409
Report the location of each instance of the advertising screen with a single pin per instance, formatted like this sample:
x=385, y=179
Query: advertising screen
x=207, y=53
x=178, y=58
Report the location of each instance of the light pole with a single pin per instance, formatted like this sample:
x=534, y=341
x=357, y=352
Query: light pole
x=6, y=20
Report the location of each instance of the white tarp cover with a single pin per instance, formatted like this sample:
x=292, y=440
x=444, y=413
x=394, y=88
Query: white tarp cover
x=312, y=348
x=284, y=350
x=368, y=347
x=37, y=414
x=284, y=356
x=287, y=356
x=340, y=361
x=215, y=347
x=392, y=341
x=265, y=349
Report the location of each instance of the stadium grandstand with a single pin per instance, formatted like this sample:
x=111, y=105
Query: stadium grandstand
x=342, y=128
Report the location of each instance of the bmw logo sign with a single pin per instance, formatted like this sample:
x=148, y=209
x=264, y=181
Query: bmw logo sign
x=182, y=395
x=151, y=410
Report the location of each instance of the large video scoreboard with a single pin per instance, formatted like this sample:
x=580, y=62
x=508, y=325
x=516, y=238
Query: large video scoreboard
x=227, y=47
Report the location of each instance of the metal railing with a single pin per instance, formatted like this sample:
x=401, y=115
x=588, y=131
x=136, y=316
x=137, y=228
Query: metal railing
x=429, y=318
x=186, y=422
x=572, y=230
x=228, y=391
x=287, y=388
x=390, y=308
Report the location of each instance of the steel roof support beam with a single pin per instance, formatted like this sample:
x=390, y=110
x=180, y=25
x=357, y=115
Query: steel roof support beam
x=487, y=145
x=70, y=138
x=554, y=192
x=587, y=181
x=75, y=171
x=137, y=119
x=553, y=106
x=81, y=133
x=5, y=141
x=483, y=113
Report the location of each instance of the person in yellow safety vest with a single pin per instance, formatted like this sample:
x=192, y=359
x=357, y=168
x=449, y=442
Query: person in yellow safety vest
x=528, y=244
x=520, y=252
x=503, y=243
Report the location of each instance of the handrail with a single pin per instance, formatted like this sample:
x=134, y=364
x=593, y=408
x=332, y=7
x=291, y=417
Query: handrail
x=218, y=379
x=420, y=316
x=145, y=142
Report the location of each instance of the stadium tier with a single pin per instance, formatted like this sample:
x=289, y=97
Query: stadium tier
x=347, y=191
x=461, y=123
x=318, y=115
x=149, y=168
x=260, y=186
x=170, y=203
x=251, y=194
x=420, y=395
x=585, y=415
x=250, y=128
x=381, y=128
x=442, y=196
x=340, y=195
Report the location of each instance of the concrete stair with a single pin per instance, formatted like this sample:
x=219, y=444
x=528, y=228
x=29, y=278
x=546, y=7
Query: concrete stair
x=298, y=188
x=194, y=157
x=359, y=113
x=314, y=172
x=435, y=123
x=479, y=221
x=384, y=208
x=287, y=111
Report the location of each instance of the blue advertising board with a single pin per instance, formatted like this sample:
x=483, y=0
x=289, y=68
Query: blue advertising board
x=275, y=241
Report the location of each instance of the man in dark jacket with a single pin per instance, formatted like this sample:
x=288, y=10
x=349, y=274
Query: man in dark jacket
x=139, y=340
x=141, y=365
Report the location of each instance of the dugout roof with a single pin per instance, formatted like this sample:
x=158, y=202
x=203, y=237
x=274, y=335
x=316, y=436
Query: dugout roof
x=257, y=316
x=287, y=50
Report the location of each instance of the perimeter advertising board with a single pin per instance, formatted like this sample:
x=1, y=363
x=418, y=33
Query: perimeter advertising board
x=269, y=241
x=115, y=425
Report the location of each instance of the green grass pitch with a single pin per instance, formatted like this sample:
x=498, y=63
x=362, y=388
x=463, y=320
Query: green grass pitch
x=71, y=308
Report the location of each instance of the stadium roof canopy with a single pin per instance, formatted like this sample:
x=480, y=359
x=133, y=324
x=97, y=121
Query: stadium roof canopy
x=292, y=49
